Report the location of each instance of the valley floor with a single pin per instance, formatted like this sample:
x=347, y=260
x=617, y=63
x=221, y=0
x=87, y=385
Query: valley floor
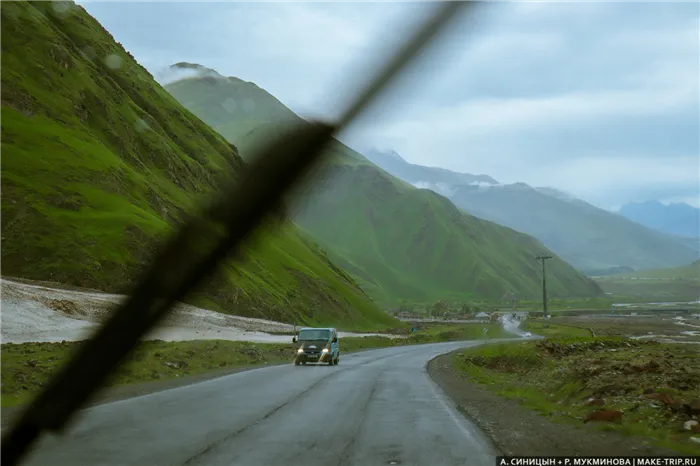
x=39, y=312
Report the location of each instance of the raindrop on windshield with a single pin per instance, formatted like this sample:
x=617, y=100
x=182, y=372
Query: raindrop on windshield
x=61, y=8
x=113, y=61
x=230, y=105
x=141, y=125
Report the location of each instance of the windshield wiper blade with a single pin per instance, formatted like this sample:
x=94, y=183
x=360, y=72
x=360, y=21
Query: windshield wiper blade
x=180, y=268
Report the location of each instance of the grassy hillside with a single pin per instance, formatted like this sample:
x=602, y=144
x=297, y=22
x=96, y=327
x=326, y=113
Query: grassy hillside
x=99, y=162
x=401, y=243
x=589, y=238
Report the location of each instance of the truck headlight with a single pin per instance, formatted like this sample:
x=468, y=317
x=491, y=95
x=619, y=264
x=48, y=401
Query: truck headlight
x=325, y=350
x=300, y=350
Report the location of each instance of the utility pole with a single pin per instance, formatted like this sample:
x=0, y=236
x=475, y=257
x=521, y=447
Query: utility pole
x=542, y=258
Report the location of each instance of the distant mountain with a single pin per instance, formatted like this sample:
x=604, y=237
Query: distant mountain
x=439, y=180
x=679, y=219
x=586, y=236
x=399, y=242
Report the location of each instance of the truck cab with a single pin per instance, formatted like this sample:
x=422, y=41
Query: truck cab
x=316, y=345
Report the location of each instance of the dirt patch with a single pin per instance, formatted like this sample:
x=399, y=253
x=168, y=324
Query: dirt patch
x=63, y=305
x=517, y=430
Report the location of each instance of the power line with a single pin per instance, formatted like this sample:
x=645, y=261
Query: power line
x=542, y=258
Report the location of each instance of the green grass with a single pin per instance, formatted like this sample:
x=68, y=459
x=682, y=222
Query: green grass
x=671, y=284
x=400, y=243
x=587, y=367
x=549, y=330
x=27, y=367
x=99, y=163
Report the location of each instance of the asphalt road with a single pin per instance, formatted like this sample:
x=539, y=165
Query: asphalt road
x=375, y=408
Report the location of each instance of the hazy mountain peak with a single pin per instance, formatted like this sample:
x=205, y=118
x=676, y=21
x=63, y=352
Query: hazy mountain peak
x=559, y=194
x=677, y=218
x=185, y=70
x=390, y=160
x=374, y=152
x=395, y=155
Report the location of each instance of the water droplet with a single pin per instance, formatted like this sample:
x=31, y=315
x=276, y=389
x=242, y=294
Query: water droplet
x=62, y=8
x=248, y=106
x=89, y=52
x=113, y=61
x=141, y=125
x=230, y=105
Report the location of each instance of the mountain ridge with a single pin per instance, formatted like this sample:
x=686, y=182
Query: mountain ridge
x=588, y=237
x=676, y=218
x=402, y=243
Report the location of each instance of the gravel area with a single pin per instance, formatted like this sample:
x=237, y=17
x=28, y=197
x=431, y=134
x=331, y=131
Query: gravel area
x=37, y=312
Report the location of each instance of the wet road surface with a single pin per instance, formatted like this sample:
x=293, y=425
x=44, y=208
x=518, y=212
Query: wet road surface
x=375, y=408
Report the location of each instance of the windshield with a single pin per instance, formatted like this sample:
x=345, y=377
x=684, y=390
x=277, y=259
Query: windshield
x=314, y=334
x=531, y=191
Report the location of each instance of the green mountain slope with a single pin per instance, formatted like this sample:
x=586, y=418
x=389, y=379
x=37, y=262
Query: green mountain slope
x=588, y=237
x=99, y=162
x=400, y=242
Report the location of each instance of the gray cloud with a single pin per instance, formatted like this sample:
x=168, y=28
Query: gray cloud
x=596, y=98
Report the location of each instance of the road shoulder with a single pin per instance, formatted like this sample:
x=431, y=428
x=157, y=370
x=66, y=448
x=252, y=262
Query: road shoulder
x=125, y=392
x=516, y=430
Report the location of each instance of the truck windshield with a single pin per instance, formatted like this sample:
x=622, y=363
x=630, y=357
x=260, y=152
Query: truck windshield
x=314, y=334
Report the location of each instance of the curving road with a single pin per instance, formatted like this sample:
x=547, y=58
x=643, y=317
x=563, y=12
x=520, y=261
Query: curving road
x=375, y=408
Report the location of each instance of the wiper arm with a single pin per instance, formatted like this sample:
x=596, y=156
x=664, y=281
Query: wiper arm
x=180, y=267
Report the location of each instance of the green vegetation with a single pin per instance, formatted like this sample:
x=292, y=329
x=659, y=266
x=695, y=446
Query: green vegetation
x=670, y=284
x=99, y=162
x=466, y=309
x=620, y=375
x=549, y=330
x=606, y=325
x=27, y=367
x=398, y=242
x=686, y=272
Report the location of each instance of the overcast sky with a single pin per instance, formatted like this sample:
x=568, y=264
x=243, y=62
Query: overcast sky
x=599, y=99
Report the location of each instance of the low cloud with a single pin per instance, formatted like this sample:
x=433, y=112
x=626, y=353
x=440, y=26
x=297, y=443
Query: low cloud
x=596, y=98
x=170, y=74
